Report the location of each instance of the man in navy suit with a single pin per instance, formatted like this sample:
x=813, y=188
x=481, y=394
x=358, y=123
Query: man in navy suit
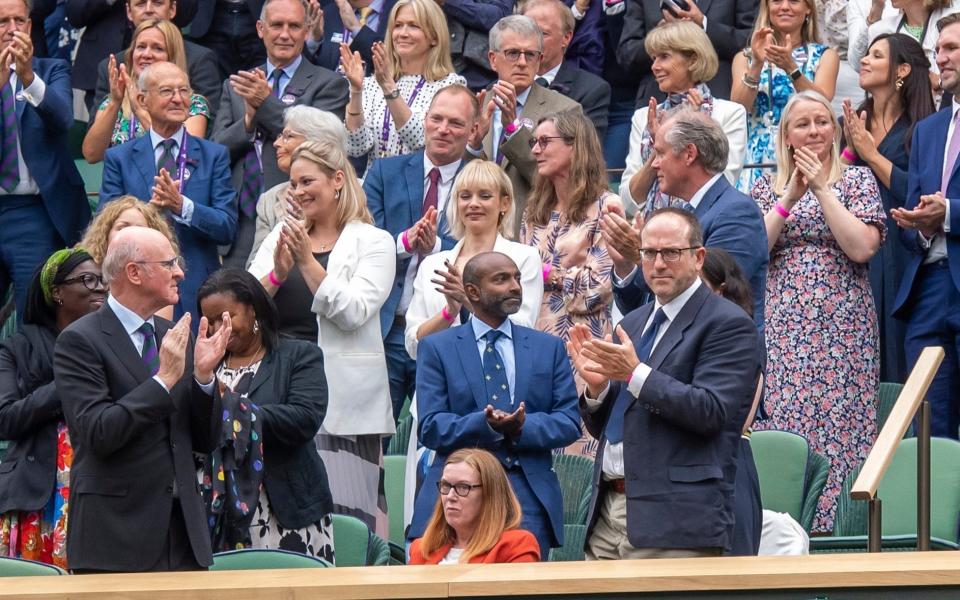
x=358, y=23
x=690, y=156
x=228, y=27
x=400, y=194
x=667, y=400
x=191, y=185
x=495, y=385
x=930, y=224
x=42, y=199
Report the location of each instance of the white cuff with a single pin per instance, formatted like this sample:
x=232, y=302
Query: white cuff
x=401, y=249
x=594, y=403
x=946, y=217
x=618, y=282
x=207, y=387
x=186, y=212
x=576, y=12
x=640, y=375
x=34, y=92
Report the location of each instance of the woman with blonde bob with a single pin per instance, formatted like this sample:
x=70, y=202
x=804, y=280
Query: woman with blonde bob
x=477, y=516
x=480, y=213
x=386, y=110
x=683, y=61
x=329, y=274
x=824, y=223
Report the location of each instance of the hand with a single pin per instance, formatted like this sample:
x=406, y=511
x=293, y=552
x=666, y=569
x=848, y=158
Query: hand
x=855, y=130
x=173, y=352
x=623, y=242
x=759, y=42
x=585, y=368
x=691, y=14
x=426, y=234
x=282, y=259
x=811, y=168
x=20, y=52
x=694, y=99
x=508, y=424
x=252, y=86
x=118, y=79
x=782, y=55
x=166, y=193
x=583, y=6
x=450, y=284
x=352, y=66
x=613, y=360
x=796, y=188
x=382, y=70
x=484, y=120
x=292, y=205
x=927, y=217
x=653, y=119
x=209, y=351
x=347, y=16
x=314, y=21
x=297, y=239
x=505, y=97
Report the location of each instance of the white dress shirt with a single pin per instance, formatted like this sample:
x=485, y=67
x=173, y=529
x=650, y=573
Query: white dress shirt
x=186, y=207
x=33, y=94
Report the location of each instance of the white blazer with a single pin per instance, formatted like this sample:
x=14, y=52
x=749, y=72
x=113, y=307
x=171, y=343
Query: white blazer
x=732, y=118
x=427, y=301
x=360, y=272
x=888, y=23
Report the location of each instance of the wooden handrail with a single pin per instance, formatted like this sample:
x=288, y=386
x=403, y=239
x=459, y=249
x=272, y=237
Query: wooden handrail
x=874, y=468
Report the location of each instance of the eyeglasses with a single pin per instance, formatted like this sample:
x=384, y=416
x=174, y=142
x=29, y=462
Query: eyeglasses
x=544, y=140
x=89, y=281
x=167, y=92
x=286, y=135
x=513, y=55
x=176, y=261
x=462, y=489
x=668, y=254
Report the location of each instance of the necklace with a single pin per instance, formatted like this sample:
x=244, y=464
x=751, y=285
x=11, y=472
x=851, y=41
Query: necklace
x=257, y=356
x=915, y=31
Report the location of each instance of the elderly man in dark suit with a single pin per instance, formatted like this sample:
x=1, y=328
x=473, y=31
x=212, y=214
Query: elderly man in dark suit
x=140, y=403
x=667, y=400
x=251, y=111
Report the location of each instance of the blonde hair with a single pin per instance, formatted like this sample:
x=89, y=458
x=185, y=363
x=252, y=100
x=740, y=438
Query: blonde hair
x=330, y=158
x=499, y=508
x=176, y=54
x=785, y=163
x=96, y=236
x=429, y=16
x=481, y=174
x=689, y=40
x=809, y=33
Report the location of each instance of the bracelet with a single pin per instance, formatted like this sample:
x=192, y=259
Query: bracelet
x=783, y=212
x=355, y=114
x=849, y=154
x=406, y=243
x=392, y=95
x=356, y=90
x=273, y=279
x=446, y=315
x=547, y=267
x=750, y=82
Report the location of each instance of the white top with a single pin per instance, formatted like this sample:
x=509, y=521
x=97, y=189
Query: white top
x=889, y=23
x=452, y=557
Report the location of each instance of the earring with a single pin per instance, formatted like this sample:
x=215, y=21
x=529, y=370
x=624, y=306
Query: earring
x=60, y=301
x=336, y=194
x=898, y=83
x=256, y=326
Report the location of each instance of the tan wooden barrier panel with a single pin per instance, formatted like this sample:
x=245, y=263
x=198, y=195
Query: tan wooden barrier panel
x=580, y=580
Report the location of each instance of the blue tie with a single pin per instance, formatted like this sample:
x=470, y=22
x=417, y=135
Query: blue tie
x=494, y=373
x=614, y=428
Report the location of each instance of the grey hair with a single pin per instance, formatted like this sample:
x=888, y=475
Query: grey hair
x=120, y=253
x=316, y=125
x=266, y=3
x=691, y=127
x=519, y=24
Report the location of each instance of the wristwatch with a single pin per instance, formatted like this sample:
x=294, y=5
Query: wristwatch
x=392, y=95
x=796, y=74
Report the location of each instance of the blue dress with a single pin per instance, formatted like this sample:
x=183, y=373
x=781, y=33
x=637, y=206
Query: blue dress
x=776, y=88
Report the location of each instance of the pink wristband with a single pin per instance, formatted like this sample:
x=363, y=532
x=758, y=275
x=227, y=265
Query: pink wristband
x=406, y=244
x=547, y=267
x=629, y=379
x=781, y=210
x=849, y=154
x=273, y=279
x=446, y=315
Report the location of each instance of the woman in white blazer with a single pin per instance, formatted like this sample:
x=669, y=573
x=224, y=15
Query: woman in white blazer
x=683, y=59
x=340, y=267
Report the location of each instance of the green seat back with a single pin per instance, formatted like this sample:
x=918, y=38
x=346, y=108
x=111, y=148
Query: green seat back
x=394, y=473
x=92, y=175
x=258, y=558
x=378, y=551
x=791, y=476
x=351, y=539
x=18, y=567
x=574, y=537
x=576, y=476
x=886, y=399
x=400, y=440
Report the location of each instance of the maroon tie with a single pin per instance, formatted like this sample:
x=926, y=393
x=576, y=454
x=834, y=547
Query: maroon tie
x=432, y=191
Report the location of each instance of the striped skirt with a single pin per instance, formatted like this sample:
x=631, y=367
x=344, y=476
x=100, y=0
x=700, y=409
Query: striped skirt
x=355, y=472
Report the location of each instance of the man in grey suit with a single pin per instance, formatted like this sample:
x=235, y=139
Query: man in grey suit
x=514, y=104
x=251, y=110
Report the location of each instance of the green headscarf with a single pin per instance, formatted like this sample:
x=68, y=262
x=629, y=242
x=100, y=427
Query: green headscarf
x=54, y=264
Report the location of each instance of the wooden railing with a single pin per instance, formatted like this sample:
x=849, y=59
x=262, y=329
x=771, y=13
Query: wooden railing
x=911, y=400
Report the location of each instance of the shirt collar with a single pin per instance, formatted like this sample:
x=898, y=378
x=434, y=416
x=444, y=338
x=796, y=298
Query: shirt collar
x=552, y=73
x=156, y=138
x=376, y=6
x=522, y=98
x=130, y=320
x=695, y=200
x=480, y=328
x=447, y=172
x=288, y=70
x=673, y=308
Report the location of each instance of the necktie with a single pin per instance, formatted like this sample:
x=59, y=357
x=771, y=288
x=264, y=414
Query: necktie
x=275, y=82
x=542, y=82
x=150, y=353
x=950, y=160
x=494, y=375
x=614, y=428
x=363, y=14
x=431, y=198
x=168, y=158
x=9, y=164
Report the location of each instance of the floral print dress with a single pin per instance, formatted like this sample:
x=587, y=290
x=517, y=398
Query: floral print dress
x=823, y=356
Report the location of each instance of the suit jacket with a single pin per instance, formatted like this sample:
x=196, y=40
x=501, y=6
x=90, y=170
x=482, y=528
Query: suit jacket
x=327, y=54
x=205, y=13
x=291, y=390
x=682, y=433
x=450, y=408
x=107, y=32
x=44, y=140
x=130, y=168
x=310, y=85
x=924, y=177
x=729, y=26
x=514, y=545
x=731, y=221
x=270, y=209
x=518, y=161
x=591, y=92
x=470, y=22
x=394, y=188
x=201, y=70
x=131, y=441
x=40, y=10
x=588, y=46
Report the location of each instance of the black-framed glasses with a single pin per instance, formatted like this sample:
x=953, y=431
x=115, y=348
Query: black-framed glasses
x=544, y=140
x=513, y=55
x=668, y=254
x=462, y=489
x=90, y=281
x=176, y=261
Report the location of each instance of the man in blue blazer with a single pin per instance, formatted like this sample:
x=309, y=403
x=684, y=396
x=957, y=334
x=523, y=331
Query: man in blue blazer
x=495, y=385
x=691, y=154
x=400, y=192
x=930, y=224
x=192, y=187
x=667, y=400
x=358, y=23
x=41, y=193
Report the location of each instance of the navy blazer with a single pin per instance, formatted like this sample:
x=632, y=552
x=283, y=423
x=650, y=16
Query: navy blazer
x=588, y=46
x=451, y=402
x=682, y=433
x=394, y=188
x=924, y=177
x=731, y=221
x=327, y=55
x=204, y=14
x=130, y=168
x=590, y=91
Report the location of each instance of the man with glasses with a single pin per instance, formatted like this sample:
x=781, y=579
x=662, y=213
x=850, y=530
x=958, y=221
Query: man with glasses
x=492, y=384
x=186, y=177
x=511, y=108
x=666, y=400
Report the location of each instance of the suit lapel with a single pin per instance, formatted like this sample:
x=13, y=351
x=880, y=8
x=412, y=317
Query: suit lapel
x=939, y=142
x=121, y=345
x=414, y=178
x=193, y=163
x=521, y=356
x=674, y=333
x=710, y=197
x=264, y=372
x=470, y=362
x=300, y=80
x=146, y=163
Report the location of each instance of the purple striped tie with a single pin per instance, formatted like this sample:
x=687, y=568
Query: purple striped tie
x=150, y=353
x=251, y=182
x=9, y=164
